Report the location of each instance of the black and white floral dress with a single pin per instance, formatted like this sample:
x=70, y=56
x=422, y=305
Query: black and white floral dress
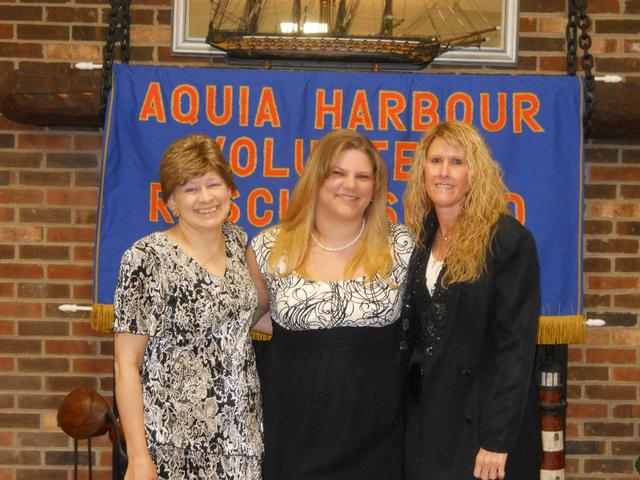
x=332, y=377
x=202, y=411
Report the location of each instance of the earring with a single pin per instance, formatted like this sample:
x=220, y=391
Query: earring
x=174, y=211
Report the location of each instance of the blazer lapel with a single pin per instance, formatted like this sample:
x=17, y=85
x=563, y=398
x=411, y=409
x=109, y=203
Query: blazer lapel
x=435, y=313
x=441, y=317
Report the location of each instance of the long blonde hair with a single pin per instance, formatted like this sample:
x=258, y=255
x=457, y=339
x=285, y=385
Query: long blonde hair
x=292, y=244
x=483, y=204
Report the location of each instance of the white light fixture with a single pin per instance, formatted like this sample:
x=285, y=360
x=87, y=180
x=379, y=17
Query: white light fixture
x=308, y=27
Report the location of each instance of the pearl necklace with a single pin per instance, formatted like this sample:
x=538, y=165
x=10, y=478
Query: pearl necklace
x=344, y=247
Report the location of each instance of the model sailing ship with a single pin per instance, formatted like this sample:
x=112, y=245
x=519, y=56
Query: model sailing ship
x=330, y=30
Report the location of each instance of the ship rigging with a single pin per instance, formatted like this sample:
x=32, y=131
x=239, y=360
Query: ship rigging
x=371, y=31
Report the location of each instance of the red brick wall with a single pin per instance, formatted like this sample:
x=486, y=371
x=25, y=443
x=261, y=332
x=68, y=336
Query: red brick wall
x=48, y=192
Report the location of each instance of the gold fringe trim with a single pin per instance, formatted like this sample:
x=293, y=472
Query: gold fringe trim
x=259, y=336
x=102, y=317
x=552, y=330
x=561, y=329
x=102, y=321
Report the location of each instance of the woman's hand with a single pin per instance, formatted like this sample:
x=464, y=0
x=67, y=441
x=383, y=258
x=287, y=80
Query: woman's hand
x=261, y=287
x=141, y=469
x=490, y=465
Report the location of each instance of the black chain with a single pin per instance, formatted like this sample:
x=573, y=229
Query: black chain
x=578, y=19
x=572, y=39
x=118, y=28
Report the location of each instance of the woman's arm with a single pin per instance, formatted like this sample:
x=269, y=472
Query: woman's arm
x=517, y=307
x=128, y=353
x=263, y=294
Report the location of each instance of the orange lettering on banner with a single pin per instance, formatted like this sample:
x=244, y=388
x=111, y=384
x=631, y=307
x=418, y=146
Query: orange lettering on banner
x=248, y=145
x=190, y=117
x=252, y=207
x=152, y=105
x=269, y=170
x=517, y=202
x=220, y=140
x=526, y=114
x=420, y=111
x=234, y=211
x=391, y=213
x=452, y=104
x=298, y=155
x=360, y=114
x=157, y=207
x=284, y=201
x=402, y=160
x=267, y=109
x=391, y=104
x=227, y=105
x=333, y=109
x=485, y=116
x=244, y=107
x=380, y=145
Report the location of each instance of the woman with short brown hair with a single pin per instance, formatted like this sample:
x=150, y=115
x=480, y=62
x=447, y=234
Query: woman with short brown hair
x=186, y=380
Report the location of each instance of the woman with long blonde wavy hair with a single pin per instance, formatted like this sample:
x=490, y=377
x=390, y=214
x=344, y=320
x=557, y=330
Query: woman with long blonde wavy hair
x=473, y=300
x=332, y=273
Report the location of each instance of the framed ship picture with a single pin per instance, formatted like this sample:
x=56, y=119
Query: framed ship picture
x=482, y=32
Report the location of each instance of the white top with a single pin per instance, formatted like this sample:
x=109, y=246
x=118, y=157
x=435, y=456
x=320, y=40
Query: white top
x=433, y=270
x=300, y=304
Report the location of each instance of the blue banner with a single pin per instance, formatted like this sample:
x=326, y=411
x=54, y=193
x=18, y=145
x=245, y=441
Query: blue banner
x=266, y=122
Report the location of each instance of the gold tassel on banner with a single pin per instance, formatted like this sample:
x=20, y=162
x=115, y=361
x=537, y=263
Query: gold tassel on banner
x=102, y=321
x=102, y=317
x=552, y=329
x=259, y=336
x=561, y=329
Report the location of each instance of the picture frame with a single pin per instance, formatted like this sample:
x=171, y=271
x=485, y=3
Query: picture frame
x=190, y=20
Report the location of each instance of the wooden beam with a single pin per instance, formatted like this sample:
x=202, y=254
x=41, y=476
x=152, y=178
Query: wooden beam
x=52, y=95
x=617, y=112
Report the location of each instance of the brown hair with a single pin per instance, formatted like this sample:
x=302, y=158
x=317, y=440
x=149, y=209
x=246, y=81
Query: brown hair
x=190, y=157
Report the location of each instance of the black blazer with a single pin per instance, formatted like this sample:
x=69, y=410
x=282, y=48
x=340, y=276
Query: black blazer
x=476, y=344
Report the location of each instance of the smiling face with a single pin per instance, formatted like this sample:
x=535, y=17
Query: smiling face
x=446, y=176
x=348, y=190
x=203, y=202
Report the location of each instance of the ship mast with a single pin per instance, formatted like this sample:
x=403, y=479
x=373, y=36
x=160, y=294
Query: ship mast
x=251, y=16
x=325, y=12
x=339, y=27
x=296, y=15
x=345, y=15
x=386, y=29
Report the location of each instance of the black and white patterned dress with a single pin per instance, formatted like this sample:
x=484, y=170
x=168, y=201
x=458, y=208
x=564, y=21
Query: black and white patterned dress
x=332, y=377
x=202, y=412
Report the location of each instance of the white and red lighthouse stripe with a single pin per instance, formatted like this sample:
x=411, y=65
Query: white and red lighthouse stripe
x=551, y=400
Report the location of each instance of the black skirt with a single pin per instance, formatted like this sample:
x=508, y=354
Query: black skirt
x=332, y=401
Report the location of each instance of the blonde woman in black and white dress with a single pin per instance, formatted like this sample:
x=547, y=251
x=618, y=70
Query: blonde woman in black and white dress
x=332, y=273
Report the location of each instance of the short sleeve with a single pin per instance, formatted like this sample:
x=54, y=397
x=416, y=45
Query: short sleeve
x=235, y=234
x=402, y=244
x=138, y=299
x=261, y=245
